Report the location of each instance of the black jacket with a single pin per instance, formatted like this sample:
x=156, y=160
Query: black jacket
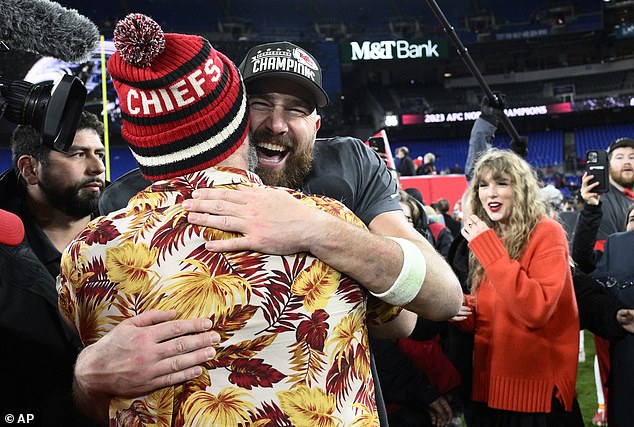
x=597, y=307
x=37, y=350
x=616, y=271
x=407, y=167
x=405, y=387
x=452, y=224
x=585, y=236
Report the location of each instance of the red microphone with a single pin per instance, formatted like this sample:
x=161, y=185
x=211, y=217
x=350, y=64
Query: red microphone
x=11, y=229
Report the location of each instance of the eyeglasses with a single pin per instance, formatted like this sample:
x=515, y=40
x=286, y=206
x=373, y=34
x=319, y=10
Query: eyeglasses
x=611, y=282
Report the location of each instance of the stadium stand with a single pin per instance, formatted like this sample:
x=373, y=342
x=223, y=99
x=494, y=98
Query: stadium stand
x=537, y=53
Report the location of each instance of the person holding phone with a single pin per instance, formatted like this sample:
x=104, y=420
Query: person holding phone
x=598, y=166
x=585, y=251
x=599, y=218
x=613, y=269
x=620, y=195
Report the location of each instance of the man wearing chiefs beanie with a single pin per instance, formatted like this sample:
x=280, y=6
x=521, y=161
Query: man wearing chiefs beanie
x=288, y=325
x=183, y=104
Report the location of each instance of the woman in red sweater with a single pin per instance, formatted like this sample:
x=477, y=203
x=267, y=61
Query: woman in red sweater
x=522, y=309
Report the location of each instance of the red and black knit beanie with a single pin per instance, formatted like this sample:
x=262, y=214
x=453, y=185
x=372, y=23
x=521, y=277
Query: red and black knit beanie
x=183, y=103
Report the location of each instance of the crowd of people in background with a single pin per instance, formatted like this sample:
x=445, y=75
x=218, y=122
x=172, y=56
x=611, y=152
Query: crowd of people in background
x=250, y=273
x=594, y=225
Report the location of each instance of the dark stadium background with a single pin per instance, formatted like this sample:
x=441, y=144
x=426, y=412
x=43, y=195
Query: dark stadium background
x=572, y=57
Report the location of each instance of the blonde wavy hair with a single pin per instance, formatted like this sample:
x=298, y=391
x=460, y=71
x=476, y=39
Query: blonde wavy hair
x=527, y=208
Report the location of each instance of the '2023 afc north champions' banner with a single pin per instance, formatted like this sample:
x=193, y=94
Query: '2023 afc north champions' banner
x=432, y=48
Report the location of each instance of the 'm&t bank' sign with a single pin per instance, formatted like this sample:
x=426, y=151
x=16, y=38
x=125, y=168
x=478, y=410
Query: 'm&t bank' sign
x=393, y=50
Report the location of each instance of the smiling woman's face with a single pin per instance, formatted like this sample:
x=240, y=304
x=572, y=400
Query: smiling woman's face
x=496, y=196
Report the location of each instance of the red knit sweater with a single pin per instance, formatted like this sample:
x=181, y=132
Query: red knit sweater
x=526, y=323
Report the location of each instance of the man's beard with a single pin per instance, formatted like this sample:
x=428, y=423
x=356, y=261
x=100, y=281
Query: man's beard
x=617, y=177
x=68, y=199
x=252, y=160
x=296, y=167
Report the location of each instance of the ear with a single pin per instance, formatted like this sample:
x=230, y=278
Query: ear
x=29, y=169
x=317, y=123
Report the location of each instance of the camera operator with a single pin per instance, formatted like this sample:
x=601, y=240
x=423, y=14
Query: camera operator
x=55, y=194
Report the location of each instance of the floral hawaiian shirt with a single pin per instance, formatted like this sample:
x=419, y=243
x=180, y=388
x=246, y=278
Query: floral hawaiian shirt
x=294, y=344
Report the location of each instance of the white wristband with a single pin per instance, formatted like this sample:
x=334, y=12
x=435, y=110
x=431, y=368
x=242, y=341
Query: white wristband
x=410, y=279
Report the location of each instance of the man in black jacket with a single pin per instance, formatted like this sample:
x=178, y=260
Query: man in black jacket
x=54, y=194
x=406, y=166
x=442, y=207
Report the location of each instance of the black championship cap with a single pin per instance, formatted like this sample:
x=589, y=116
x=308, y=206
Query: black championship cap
x=621, y=142
x=288, y=61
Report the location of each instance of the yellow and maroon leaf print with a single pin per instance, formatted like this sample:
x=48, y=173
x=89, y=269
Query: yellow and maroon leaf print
x=314, y=331
x=380, y=312
x=335, y=208
x=367, y=416
x=72, y=266
x=351, y=292
x=175, y=229
x=249, y=373
x=184, y=186
x=230, y=407
x=131, y=304
x=92, y=325
x=186, y=389
x=317, y=284
x=249, y=265
x=307, y=363
x=346, y=334
x=233, y=320
x=161, y=402
x=130, y=265
x=73, y=254
x=146, y=201
x=362, y=359
x=138, y=224
x=270, y=414
x=349, y=359
x=246, y=264
x=280, y=307
x=292, y=349
x=309, y=407
x=183, y=391
x=126, y=413
x=366, y=397
x=340, y=376
x=200, y=293
x=102, y=234
x=95, y=283
x=244, y=349
x=66, y=304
